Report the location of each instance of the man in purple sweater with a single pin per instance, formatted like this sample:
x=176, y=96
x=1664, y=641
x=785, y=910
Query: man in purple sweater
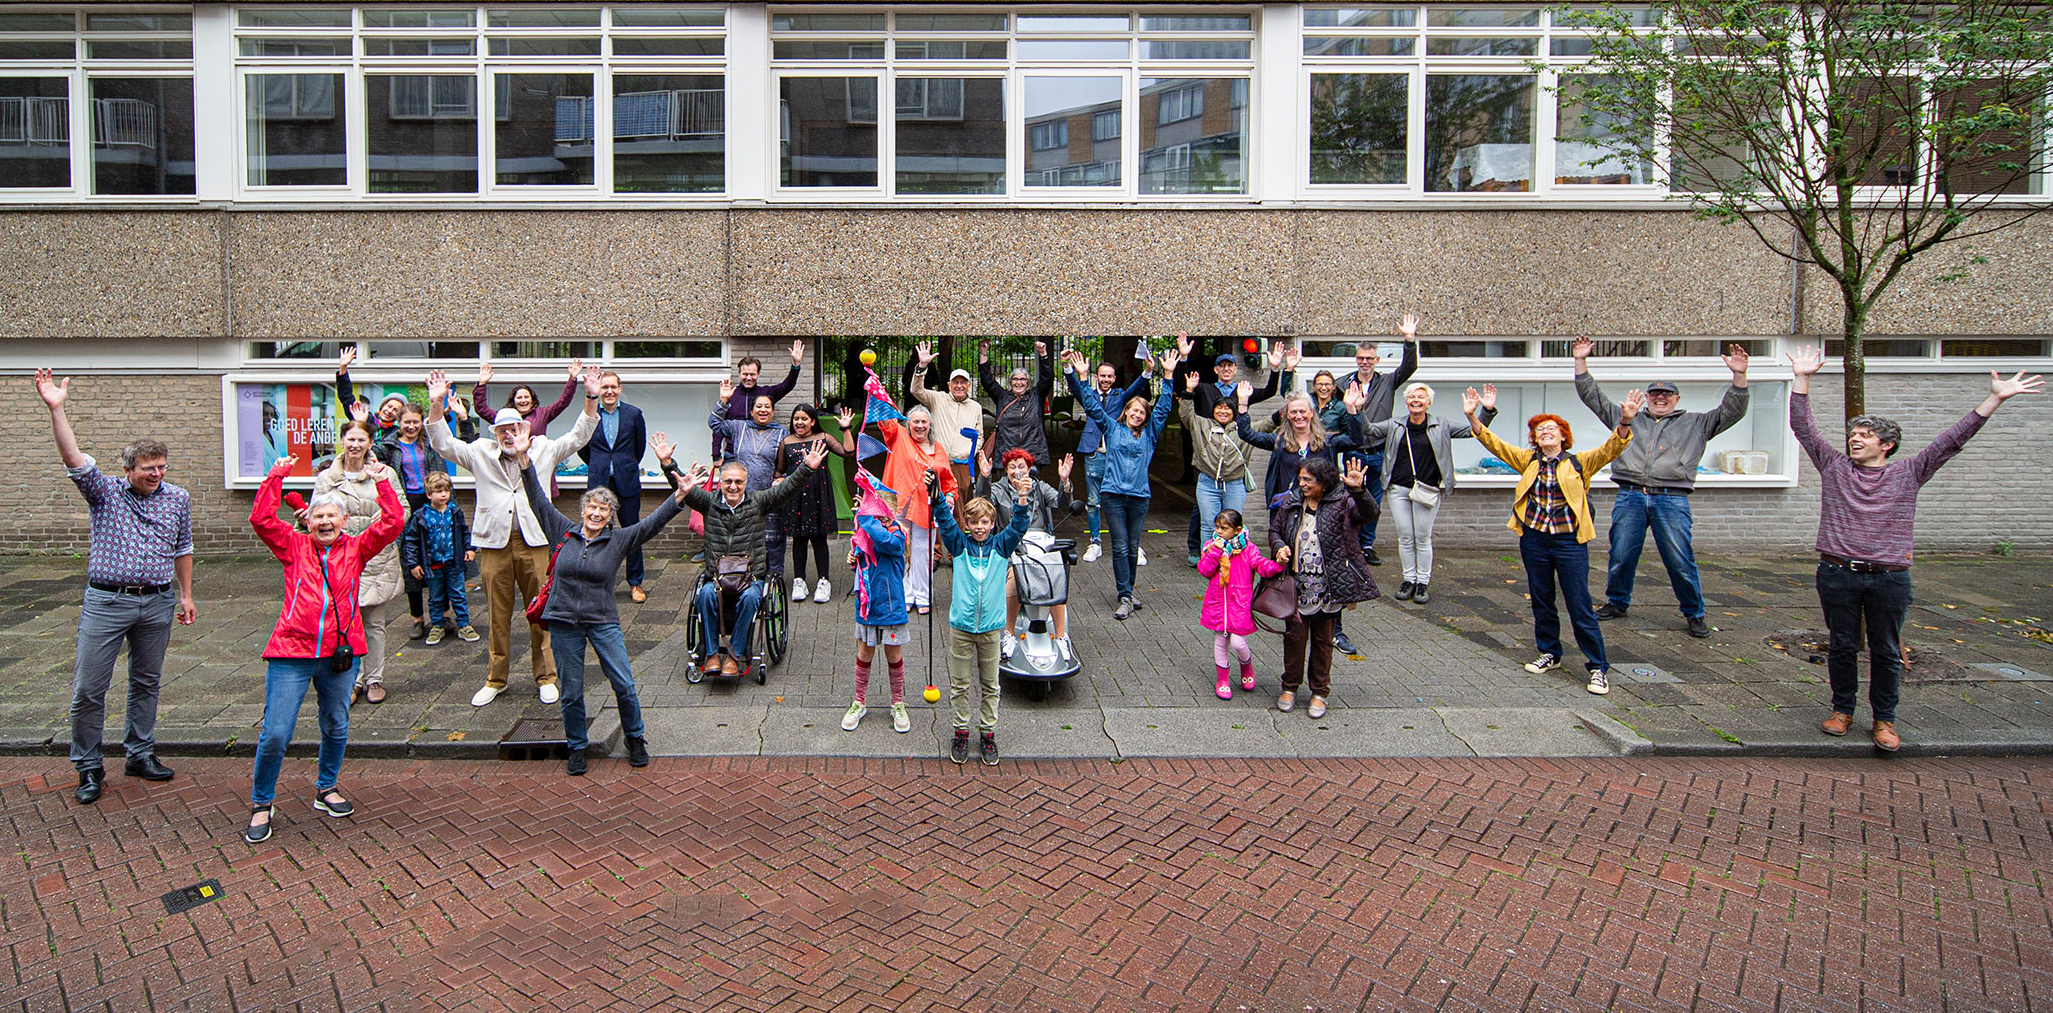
x=1866, y=505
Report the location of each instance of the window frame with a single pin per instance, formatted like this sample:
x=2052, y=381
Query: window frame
x=78, y=72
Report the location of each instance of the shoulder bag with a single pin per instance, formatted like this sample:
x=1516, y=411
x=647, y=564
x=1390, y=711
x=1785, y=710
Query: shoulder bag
x=541, y=600
x=732, y=572
x=1420, y=493
x=1276, y=597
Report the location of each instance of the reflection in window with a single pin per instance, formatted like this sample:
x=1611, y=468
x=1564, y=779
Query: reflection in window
x=1060, y=112
x=1704, y=347
x=543, y=136
x=1104, y=126
x=544, y=349
x=951, y=135
x=1890, y=348
x=1195, y=141
x=1706, y=158
x=2004, y=158
x=707, y=348
x=1880, y=114
x=1359, y=127
x=1479, y=132
x=1581, y=151
x=669, y=133
x=421, y=133
x=1606, y=348
x=1479, y=349
x=1993, y=347
x=142, y=135
x=295, y=130
x=35, y=131
x=828, y=131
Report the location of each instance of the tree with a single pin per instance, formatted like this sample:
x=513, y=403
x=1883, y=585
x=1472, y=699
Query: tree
x=1849, y=136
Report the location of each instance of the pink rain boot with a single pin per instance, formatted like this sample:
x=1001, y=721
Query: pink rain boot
x=1247, y=676
x=1225, y=688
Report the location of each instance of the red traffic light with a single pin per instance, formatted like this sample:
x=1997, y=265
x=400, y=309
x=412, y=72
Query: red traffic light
x=1250, y=345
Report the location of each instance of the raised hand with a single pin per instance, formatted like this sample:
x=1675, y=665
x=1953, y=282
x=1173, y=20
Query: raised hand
x=457, y=409
x=283, y=466
x=984, y=461
x=377, y=470
x=1489, y=395
x=1355, y=398
x=1064, y=467
x=1244, y=390
x=1356, y=474
x=52, y=390
x=846, y=416
x=1470, y=401
x=1408, y=325
x=1169, y=361
x=1806, y=360
x=662, y=446
x=1582, y=346
x=2004, y=389
x=798, y=352
x=438, y=386
x=1184, y=344
x=1190, y=383
x=591, y=377
x=925, y=351
x=484, y=372
x=1634, y=401
x=696, y=475
x=726, y=389
x=359, y=412
x=345, y=360
x=1736, y=359
x=523, y=438
x=1290, y=357
x=1040, y=349
x=1275, y=356
x=983, y=351
x=577, y=366
x=816, y=454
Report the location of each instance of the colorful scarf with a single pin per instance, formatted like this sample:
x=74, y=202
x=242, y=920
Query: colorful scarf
x=1234, y=546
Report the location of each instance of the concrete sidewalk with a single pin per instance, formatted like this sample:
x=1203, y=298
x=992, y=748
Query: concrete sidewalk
x=1437, y=680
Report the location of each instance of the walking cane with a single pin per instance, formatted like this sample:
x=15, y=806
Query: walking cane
x=932, y=694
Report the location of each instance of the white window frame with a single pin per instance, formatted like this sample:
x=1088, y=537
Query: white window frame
x=78, y=72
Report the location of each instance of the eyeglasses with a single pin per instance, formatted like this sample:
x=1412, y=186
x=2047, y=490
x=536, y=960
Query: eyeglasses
x=152, y=469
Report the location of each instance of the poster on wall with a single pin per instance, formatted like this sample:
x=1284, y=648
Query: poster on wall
x=273, y=420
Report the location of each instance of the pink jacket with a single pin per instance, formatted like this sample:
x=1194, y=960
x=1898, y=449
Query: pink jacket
x=1230, y=608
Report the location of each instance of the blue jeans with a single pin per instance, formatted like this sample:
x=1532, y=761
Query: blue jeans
x=567, y=641
x=744, y=614
x=1374, y=464
x=1631, y=514
x=106, y=621
x=285, y=689
x=1879, y=601
x=629, y=514
x=1094, y=475
x=1552, y=558
x=1125, y=518
x=1214, y=496
x=444, y=585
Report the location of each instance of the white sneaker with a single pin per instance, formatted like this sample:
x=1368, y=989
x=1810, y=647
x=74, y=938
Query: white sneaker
x=823, y=591
x=798, y=589
x=901, y=722
x=484, y=696
x=550, y=694
x=1091, y=554
x=854, y=716
x=1143, y=560
x=1007, y=644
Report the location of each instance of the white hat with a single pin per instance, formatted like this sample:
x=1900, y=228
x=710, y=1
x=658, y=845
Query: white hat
x=962, y=374
x=506, y=417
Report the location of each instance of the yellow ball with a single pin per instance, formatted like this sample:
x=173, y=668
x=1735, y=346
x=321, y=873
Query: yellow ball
x=868, y=357
x=933, y=694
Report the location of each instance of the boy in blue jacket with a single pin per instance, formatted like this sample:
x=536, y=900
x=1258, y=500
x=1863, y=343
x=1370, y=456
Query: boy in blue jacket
x=434, y=548
x=976, y=615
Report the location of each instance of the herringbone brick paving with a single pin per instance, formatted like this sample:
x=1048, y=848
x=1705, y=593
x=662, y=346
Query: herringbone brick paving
x=847, y=885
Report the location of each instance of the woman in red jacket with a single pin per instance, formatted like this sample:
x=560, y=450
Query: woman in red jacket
x=319, y=635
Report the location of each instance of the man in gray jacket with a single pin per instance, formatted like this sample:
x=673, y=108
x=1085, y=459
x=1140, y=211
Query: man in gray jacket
x=1655, y=476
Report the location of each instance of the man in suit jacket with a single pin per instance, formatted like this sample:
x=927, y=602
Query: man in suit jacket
x=613, y=460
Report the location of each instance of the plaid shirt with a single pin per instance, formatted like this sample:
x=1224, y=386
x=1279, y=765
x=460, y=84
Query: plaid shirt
x=1546, y=510
x=135, y=538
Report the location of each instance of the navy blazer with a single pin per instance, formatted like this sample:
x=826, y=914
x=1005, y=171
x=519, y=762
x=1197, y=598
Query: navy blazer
x=617, y=465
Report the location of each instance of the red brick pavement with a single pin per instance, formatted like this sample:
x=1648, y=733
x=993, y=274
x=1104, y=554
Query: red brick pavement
x=1225, y=885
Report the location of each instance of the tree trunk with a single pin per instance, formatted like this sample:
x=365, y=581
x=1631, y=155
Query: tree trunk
x=1854, y=357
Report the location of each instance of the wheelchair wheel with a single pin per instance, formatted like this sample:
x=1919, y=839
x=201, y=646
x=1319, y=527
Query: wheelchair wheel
x=777, y=625
x=694, y=635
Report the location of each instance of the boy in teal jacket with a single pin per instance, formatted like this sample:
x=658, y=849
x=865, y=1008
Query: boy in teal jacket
x=976, y=615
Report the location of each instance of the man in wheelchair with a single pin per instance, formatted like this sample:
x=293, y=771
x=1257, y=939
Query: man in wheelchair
x=734, y=519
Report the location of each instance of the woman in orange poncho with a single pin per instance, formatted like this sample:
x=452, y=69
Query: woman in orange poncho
x=913, y=453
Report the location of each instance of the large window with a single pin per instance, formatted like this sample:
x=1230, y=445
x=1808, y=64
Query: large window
x=955, y=128
x=96, y=103
x=502, y=102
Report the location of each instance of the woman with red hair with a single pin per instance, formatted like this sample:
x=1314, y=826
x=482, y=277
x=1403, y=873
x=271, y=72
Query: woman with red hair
x=1550, y=510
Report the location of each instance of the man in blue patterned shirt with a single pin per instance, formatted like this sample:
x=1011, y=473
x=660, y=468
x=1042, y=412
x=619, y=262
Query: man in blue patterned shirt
x=141, y=552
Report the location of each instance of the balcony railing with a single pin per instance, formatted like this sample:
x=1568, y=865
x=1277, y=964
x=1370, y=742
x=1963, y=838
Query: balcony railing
x=674, y=114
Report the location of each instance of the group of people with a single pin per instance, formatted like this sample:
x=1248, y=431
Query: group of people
x=381, y=518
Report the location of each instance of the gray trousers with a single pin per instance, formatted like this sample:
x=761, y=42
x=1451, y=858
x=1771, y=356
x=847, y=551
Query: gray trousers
x=104, y=623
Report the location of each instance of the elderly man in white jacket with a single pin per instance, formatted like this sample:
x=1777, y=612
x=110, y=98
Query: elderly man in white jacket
x=505, y=562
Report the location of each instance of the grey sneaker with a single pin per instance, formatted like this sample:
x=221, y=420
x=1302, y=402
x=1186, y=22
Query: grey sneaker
x=854, y=716
x=1543, y=664
x=901, y=722
x=1599, y=683
x=959, y=750
x=435, y=636
x=467, y=633
x=1125, y=609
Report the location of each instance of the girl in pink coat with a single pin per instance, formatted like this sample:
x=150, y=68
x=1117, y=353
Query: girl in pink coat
x=1230, y=563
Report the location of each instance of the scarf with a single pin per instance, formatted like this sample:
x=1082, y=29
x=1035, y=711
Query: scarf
x=1234, y=546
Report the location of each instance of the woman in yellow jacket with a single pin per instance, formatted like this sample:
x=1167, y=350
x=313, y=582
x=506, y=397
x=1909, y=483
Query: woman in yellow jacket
x=1551, y=513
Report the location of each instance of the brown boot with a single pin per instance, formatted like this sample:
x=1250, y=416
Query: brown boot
x=1837, y=724
x=1886, y=738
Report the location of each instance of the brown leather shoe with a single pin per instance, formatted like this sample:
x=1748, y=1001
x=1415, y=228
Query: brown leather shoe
x=1837, y=724
x=638, y=594
x=1886, y=738
x=729, y=668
